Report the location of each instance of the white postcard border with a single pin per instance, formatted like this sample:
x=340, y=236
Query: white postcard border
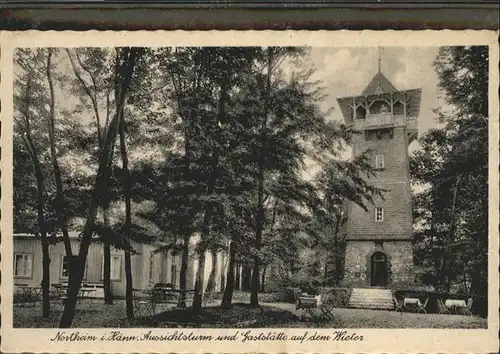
x=374, y=340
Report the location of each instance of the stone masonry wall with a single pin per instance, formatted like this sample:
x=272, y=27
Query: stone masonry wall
x=396, y=199
x=358, y=263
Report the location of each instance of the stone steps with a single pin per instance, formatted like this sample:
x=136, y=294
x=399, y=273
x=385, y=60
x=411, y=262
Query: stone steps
x=371, y=299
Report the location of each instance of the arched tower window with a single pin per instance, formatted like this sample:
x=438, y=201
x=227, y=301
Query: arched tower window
x=380, y=107
x=360, y=112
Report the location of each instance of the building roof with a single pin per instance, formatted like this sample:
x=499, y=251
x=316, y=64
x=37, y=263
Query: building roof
x=379, y=84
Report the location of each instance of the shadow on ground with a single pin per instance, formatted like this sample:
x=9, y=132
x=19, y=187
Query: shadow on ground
x=276, y=315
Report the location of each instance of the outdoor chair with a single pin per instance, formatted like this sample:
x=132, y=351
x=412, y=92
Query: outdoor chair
x=309, y=304
x=468, y=309
x=422, y=307
x=58, y=296
x=143, y=303
x=398, y=304
x=442, y=309
x=326, y=305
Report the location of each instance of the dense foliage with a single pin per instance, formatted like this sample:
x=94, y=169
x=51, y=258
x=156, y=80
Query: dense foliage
x=451, y=170
x=216, y=142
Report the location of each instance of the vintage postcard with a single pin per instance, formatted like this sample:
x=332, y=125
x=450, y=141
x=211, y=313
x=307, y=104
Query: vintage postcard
x=249, y=191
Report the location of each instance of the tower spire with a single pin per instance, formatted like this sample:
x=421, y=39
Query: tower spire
x=379, y=61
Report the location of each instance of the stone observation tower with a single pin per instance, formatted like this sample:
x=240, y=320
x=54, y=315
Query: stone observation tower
x=379, y=241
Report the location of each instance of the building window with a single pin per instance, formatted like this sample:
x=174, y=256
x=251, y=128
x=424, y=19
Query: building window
x=23, y=265
x=151, y=267
x=379, y=214
x=173, y=276
x=65, y=268
x=115, y=267
x=379, y=161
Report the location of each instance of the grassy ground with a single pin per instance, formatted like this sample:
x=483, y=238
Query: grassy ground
x=274, y=315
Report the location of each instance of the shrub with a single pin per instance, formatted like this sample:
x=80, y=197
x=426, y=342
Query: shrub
x=340, y=296
x=20, y=298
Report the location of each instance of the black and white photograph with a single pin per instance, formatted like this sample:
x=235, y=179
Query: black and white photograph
x=250, y=187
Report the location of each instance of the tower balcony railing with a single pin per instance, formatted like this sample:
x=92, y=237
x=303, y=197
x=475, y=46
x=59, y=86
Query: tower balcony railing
x=374, y=121
x=386, y=120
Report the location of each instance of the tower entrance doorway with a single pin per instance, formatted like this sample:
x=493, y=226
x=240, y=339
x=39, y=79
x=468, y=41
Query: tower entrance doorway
x=379, y=269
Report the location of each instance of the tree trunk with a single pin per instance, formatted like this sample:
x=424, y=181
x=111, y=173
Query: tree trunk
x=212, y=180
x=227, y=298
x=260, y=219
x=184, y=268
x=100, y=185
x=263, y=280
x=200, y=272
x=451, y=234
x=246, y=276
x=211, y=278
x=59, y=200
x=237, y=274
x=198, y=285
x=128, y=222
x=108, y=295
x=223, y=274
x=254, y=296
x=337, y=252
x=45, y=277
x=41, y=222
x=129, y=286
x=43, y=235
x=100, y=188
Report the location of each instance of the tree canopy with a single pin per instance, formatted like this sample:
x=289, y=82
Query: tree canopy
x=451, y=168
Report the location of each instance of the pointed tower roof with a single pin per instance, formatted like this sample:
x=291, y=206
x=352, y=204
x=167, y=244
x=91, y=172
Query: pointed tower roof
x=379, y=84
